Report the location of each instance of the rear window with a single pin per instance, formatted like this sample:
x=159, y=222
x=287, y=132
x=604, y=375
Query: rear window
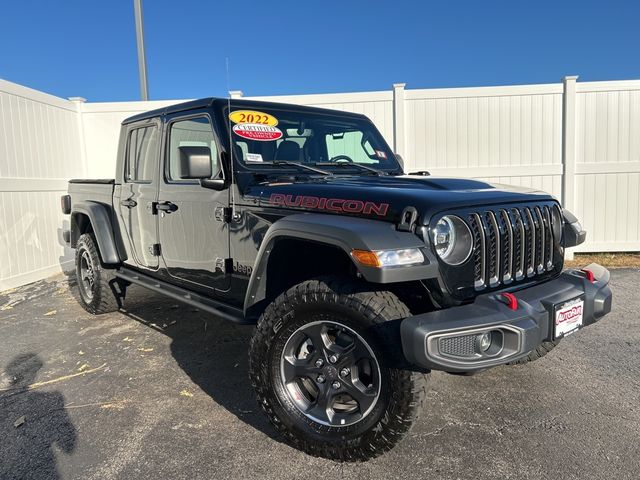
x=351, y=144
x=142, y=154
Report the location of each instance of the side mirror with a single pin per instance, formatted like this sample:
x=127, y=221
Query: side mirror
x=213, y=183
x=195, y=162
x=400, y=161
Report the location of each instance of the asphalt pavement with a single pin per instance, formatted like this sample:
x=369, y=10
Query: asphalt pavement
x=160, y=390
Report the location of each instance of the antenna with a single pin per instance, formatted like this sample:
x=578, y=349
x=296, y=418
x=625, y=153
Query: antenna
x=233, y=188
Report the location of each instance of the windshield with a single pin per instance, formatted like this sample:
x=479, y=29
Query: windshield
x=266, y=135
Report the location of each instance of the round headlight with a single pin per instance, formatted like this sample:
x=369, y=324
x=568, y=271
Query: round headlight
x=452, y=240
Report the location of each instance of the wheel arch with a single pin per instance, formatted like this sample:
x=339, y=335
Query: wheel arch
x=93, y=217
x=330, y=238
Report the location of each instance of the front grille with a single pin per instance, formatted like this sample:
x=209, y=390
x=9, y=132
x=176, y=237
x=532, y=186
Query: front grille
x=511, y=244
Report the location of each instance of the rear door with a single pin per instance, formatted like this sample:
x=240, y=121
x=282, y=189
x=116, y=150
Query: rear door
x=193, y=234
x=140, y=190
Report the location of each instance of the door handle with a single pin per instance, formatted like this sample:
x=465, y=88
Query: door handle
x=166, y=207
x=128, y=203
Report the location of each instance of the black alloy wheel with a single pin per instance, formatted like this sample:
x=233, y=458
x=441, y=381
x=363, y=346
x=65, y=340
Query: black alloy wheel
x=86, y=276
x=330, y=373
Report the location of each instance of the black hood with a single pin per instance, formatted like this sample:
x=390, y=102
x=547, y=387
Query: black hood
x=384, y=197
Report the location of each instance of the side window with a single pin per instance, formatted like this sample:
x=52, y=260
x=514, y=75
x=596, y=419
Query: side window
x=194, y=132
x=142, y=154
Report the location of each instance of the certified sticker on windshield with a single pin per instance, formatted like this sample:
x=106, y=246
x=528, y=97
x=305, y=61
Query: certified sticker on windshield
x=256, y=131
x=253, y=116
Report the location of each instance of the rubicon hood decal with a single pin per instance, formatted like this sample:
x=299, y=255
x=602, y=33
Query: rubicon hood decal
x=329, y=204
x=384, y=197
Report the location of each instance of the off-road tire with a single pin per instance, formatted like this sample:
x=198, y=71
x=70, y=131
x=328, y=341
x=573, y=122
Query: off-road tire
x=375, y=315
x=107, y=292
x=539, y=352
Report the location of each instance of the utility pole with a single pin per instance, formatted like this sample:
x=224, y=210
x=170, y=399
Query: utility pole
x=142, y=60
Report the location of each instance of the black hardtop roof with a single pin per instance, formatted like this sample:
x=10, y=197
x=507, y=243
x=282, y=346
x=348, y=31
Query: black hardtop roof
x=235, y=103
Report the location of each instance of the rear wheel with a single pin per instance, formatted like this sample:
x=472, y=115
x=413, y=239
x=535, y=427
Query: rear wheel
x=322, y=363
x=100, y=290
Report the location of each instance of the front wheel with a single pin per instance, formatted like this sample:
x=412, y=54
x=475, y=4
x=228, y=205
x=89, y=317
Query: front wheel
x=537, y=353
x=323, y=362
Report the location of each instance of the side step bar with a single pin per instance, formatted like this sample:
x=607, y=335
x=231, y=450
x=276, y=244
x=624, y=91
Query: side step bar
x=200, y=302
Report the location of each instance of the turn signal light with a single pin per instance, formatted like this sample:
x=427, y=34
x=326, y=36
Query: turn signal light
x=366, y=258
x=65, y=204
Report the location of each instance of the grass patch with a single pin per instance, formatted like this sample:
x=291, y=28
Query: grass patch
x=609, y=260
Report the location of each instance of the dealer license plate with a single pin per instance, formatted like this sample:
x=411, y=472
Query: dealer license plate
x=568, y=317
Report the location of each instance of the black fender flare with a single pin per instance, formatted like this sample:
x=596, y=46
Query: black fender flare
x=347, y=234
x=100, y=218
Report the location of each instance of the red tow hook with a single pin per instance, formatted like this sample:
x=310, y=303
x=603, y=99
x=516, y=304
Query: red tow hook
x=589, y=275
x=510, y=300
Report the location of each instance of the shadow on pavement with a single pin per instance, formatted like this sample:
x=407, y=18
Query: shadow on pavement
x=34, y=424
x=211, y=351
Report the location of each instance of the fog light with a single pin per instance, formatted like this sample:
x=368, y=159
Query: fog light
x=483, y=341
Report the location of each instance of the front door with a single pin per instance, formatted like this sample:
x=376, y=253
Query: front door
x=194, y=237
x=138, y=192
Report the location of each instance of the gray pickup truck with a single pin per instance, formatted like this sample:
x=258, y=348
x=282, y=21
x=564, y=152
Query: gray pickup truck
x=361, y=279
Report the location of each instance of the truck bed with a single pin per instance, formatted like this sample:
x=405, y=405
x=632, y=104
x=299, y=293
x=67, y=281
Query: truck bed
x=96, y=190
x=93, y=180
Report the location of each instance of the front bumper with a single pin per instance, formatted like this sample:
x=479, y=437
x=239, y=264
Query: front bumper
x=445, y=339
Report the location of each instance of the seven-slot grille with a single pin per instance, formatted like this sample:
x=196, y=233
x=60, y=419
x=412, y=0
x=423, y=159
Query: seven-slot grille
x=511, y=244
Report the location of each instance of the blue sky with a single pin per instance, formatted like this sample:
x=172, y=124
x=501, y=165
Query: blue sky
x=87, y=48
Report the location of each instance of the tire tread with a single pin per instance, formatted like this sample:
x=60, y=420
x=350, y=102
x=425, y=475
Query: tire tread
x=106, y=299
x=537, y=353
x=410, y=387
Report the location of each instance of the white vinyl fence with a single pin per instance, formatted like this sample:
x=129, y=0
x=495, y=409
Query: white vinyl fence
x=40, y=149
x=579, y=141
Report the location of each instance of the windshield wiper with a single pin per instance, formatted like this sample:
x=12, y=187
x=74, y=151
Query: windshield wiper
x=299, y=165
x=350, y=164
